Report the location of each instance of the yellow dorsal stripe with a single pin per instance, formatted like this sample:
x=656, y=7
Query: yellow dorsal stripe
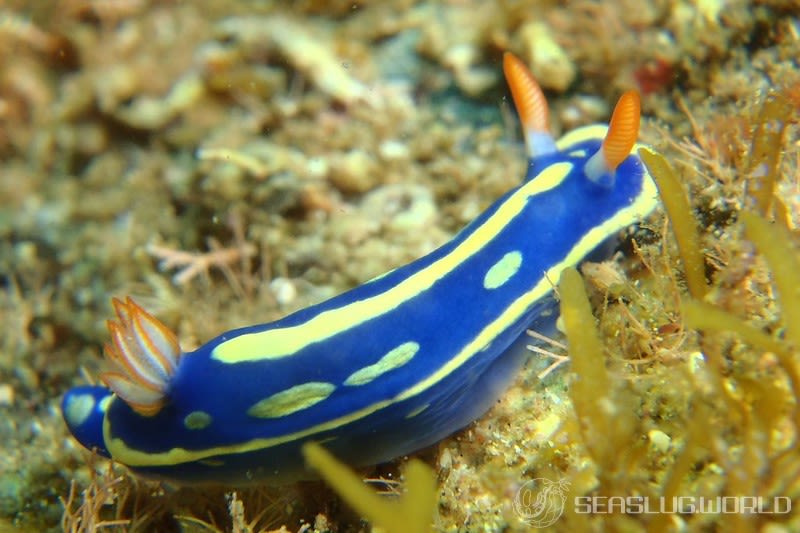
x=284, y=342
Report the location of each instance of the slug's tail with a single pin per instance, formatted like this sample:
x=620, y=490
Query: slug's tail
x=83, y=409
x=145, y=353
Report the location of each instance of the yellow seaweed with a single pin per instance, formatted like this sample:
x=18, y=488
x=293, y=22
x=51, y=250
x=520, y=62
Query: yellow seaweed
x=776, y=246
x=602, y=406
x=765, y=154
x=700, y=315
x=413, y=513
x=683, y=222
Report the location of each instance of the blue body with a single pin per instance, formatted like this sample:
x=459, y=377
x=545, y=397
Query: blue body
x=384, y=418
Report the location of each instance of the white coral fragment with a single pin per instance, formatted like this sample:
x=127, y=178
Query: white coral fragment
x=548, y=61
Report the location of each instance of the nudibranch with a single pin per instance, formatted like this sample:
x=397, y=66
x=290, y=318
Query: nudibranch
x=391, y=366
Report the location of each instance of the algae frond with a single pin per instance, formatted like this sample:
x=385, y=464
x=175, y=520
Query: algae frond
x=414, y=511
x=684, y=225
x=763, y=166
